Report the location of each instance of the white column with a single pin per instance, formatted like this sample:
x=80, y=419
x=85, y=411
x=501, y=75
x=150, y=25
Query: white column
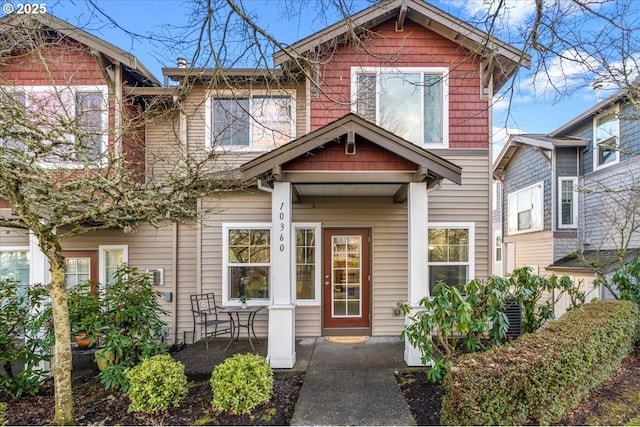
x=38, y=262
x=39, y=273
x=417, y=207
x=282, y=339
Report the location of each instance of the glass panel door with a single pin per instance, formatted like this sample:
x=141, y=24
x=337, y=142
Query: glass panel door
x=346, y=278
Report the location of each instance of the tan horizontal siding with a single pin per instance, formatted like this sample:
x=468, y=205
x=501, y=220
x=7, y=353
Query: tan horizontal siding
x=13, y=237
x=535, y=253
x=467, y=202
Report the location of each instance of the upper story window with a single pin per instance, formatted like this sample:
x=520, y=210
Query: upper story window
x=73, y=121
x=606, y=139
x=568, y=202
x=252, y=121
x=410, y=102
x=526, y=212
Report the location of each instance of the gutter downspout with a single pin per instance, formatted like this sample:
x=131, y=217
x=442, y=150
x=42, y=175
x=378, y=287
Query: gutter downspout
x=174, y=265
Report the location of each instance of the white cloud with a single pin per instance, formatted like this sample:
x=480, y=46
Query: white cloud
x=514, y=12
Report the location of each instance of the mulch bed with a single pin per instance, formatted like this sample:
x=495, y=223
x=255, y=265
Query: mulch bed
x=96, y=406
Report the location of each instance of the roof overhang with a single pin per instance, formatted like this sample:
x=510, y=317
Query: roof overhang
x=272, y=165
x=502, y=59
x=541, y=142
x=127, y=60
x=589, y=262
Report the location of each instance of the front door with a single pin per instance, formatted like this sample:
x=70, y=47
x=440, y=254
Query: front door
x=346, y=278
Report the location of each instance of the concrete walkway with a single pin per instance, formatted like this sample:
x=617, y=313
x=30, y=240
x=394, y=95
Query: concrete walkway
x=352, y=384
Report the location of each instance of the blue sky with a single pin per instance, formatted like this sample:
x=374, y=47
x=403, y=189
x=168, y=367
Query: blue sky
x=530, y=111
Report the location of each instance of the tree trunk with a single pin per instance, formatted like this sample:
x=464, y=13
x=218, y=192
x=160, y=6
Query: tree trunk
x=64, y=413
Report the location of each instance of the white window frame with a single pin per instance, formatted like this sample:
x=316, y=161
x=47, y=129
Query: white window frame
x=574, y=223
x=318, y=260
x=510, y=201
x=102, y=261
x=596, y=149
x=103, y=89
x=471, y=264
x=497, y=244
x=244, y=94
x=443, y=71
x=226, y=299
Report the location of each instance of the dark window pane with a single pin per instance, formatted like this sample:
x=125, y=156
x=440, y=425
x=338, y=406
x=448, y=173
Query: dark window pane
x=250, y=281
x=305, y=282
x=452, y=275
x=231, y=122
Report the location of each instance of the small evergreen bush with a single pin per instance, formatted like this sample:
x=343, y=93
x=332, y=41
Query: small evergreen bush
x=155, y=384
x=241, y=383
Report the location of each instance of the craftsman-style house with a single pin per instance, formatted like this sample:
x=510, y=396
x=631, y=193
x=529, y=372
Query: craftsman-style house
x=364, y=163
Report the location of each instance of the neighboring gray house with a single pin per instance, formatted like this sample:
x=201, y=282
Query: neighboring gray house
x=572, y=194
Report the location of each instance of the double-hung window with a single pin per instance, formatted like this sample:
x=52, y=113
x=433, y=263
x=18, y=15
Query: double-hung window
x=568, y=202
x=606, y=135
x=526, y=210
x=249, y=121
x=307, y=263
x=247, y=261
x=451, y=253
x=410, y=102
x=14, y=265
x=111, y=258
x=73, y=120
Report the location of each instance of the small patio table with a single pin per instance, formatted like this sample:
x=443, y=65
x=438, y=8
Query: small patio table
x=251, y=311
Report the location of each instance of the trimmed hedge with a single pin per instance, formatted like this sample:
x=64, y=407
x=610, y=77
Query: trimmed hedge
x=538, y=377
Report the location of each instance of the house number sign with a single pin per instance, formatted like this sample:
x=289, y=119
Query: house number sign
x=282, y=228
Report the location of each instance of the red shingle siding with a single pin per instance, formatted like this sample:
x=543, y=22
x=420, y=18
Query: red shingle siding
x=66, y=64
x=368, y=157
x=414, y=47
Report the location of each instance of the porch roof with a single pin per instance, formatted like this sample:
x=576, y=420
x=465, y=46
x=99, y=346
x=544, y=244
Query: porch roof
x=417, y=163
x=590, y=261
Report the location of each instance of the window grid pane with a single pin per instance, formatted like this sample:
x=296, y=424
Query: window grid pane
x=305, y=264
x=607, y=138
x=248, y=262
x=567, y=202
x=271, y=117
x=89, y=109
x=114, y=258
x=433, y=109
x=448, y=256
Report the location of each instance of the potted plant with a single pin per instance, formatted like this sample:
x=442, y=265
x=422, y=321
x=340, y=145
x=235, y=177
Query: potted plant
x=243, y=301
x=85, y=314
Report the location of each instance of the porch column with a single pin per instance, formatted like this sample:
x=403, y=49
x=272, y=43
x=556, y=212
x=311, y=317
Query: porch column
x=417, y=207
x=282, y=328
x=38, y=262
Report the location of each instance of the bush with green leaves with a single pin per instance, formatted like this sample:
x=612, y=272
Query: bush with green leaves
x=473, y=314
x=625, y=282
x=465, y=312
x=536, y=378
x=86, y=311
x=25, y=337
x=241, y=383
x=3, y=408
x=155, y=384
x=133, y=324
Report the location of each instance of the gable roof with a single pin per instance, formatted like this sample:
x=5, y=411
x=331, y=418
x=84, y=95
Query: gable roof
x=129, y=61
x=504, y=59
x=436, y=167
x=590, y=113
x=539, y=141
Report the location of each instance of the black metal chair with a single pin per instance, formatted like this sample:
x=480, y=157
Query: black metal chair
x=205, y=314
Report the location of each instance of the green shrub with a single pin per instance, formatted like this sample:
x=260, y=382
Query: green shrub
x=132, y=324
x=538, y=377
x=25, y=337
x=3, y=408
x=155, y=384
x=241, y=383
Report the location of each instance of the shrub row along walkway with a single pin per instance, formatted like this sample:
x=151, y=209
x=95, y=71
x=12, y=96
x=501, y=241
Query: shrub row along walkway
x=344, y=384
